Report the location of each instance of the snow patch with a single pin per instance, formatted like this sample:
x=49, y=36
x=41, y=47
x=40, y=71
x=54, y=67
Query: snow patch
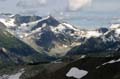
x=14, y=76
x=115, y=26
x=93, y=34
x=70, y=26
x=112, y=61
x=109, y=62
x=76, y=73
x=58, y=29
x=8, y=22
x=117, y=31
x=83, y=56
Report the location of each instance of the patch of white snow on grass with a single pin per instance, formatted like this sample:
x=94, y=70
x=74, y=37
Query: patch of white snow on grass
x=76, y=73
x=112, y=61
x=83, y=56
x=109, y=62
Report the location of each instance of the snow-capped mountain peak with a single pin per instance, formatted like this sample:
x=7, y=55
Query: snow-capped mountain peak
x=50, y=34
x=92, y=34
x=8, y=22
x=115, y=26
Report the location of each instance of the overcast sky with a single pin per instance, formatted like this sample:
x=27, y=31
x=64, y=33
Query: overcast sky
x=78, y=12
x=52, y=6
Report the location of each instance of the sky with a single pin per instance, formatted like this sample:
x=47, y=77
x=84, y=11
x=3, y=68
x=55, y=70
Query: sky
x=78, y=12
x=51, y=6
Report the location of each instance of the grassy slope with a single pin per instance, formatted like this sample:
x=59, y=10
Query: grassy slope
x=19, y=49
x=109, y=71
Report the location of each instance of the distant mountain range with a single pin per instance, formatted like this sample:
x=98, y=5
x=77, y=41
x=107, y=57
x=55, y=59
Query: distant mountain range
x=46, y=48
x=14, y=51
x=58, y=38
x=108, y=42
x=45, y=33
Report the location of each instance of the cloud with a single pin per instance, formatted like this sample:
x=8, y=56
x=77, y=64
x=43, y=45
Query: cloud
x=42, y=2
x=78, y=4
x=31, y=3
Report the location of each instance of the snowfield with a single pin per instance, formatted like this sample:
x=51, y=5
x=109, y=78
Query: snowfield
x=14, y=76
x=93, y=34
x=8, y=22
x=115, y=26
x=112, y=61
x=76, y=73
x=109, y=62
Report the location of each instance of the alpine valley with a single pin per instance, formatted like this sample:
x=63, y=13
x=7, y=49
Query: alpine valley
x=35, y=47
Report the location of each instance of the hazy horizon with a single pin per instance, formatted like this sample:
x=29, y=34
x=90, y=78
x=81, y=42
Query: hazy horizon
x=84, y=13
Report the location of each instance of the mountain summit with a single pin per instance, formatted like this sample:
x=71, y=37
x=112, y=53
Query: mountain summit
x=52, y=36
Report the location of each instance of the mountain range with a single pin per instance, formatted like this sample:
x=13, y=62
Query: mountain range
x=51, y=36
x=47, y=48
